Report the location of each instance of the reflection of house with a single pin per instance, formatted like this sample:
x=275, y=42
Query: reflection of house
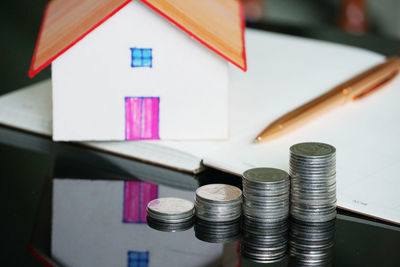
x=89, y=227
x=137, y=195
x=121, y=70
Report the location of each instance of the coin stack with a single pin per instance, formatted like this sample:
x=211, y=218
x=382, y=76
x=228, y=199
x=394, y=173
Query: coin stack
x=217, y=232
x=265, y=209
x=266, y=194
x=218, y=203
x=313, y=188
x=170, y=214
x=311, y=244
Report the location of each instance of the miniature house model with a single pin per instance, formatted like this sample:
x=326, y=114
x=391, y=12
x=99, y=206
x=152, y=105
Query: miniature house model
x=151, y=69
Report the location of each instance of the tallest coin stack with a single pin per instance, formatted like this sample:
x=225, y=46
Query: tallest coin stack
x=313, y=187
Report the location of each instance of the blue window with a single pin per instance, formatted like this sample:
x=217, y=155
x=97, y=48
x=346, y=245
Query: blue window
x=141, y=57
x=138, y=259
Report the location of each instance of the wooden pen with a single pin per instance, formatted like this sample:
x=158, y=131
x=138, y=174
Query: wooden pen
x=353, y=89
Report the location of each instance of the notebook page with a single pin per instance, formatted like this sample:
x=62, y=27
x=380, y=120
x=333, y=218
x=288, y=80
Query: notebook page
x=365, y=133
x=28, y=108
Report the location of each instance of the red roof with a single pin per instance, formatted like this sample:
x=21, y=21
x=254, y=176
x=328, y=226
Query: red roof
x=217, y=24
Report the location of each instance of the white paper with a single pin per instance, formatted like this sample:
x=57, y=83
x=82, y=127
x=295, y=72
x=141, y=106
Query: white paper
x=93, y=77
x=28, y=108
x=365, y=132
x=87, y=229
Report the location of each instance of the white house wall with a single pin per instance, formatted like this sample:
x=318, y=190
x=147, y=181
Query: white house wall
x=92, y=78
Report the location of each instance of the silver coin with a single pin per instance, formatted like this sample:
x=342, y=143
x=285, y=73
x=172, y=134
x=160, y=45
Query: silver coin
x=309, y=194
x=170, y=208
x=265, y=231
x=267, y=192
x=266, y=200
x=249, y=203
x=263, y=239
x=303, y=195
x=312, y=149
x=169, y=220
x=266, y=189
x=310, y=214
x=268, y=220
x=266, y=250
x=169, y=227
x=265, y=175
x=314, y=196
x=219, y=193
x=217, y=232
x=312, y=161
x=278, y=196
x=315, y=218
x=218, y=210
x=267, y=213
x=313, y=185
x=199, y=203
x=268, y=254
x=265, y=204
x=313, y=202
x=218, y=219
x=213, y=214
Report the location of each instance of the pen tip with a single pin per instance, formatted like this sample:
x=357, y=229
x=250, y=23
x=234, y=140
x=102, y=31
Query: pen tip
x=257, y=140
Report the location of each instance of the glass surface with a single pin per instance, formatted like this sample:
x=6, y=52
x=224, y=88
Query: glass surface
x=346, y=241
x=358, y=241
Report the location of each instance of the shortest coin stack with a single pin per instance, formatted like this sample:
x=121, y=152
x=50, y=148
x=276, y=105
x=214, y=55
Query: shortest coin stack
x=170, y=214
x=218, y=203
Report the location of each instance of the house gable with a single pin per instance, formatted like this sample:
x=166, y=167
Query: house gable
x=217, y=24
x=94, y=80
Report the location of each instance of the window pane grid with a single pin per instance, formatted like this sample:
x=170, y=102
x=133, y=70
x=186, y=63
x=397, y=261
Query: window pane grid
x=141, y=57
x=138, y=259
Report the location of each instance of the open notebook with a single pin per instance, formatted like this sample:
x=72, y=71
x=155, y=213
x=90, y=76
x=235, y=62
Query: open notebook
x=283, y=72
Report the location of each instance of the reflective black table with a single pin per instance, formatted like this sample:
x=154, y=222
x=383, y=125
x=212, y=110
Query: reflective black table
x=355, y=241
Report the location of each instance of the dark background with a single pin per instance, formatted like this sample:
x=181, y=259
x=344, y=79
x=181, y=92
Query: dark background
x=21, y=19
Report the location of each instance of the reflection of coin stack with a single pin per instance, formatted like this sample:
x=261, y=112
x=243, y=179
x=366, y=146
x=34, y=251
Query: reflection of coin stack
x=218, y=203
x=311, y=243
x=217, y=232
x=264, y=242
x=313, y=187
x=265, y=209
x=170, y=214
